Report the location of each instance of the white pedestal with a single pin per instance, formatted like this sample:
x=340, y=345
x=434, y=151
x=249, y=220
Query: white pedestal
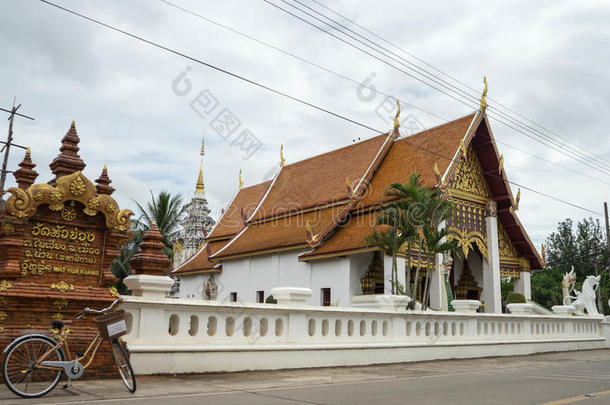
x=466, y=306
x=145, y=285
x=292, y=296
x=381, y=301
x=563, y=309
x=520, y=309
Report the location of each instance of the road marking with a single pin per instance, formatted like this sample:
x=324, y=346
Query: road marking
x=577, y=399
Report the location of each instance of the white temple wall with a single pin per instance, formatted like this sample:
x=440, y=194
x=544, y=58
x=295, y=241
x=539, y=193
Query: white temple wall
x=191, y=286
x=523, y=285
x=359, y=265
x=334, y=274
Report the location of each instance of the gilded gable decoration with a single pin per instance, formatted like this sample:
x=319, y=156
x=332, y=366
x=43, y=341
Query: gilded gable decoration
x=71, y=187
x=507, y=250
x=468, y=182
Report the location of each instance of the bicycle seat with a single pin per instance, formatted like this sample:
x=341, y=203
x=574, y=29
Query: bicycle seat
x=57, y=324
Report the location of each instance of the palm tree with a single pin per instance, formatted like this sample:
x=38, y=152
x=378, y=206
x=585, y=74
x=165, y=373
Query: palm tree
x=166, y=211
x=408, y=198
x=390, y=239
x=415, y=217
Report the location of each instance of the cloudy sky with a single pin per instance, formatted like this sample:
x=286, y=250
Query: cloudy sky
x=546, y=60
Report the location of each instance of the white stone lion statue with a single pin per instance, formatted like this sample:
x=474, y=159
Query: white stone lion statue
x=586, y=298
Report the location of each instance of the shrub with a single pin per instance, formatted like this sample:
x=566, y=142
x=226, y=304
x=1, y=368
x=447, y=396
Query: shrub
x=270, y=300
x=516, y=298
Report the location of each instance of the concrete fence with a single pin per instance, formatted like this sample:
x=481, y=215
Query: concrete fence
x=184, y=336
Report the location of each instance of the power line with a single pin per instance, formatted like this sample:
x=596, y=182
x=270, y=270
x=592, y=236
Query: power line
x=556, y=146
x=309, y=104
x=458, y=81
x=426, y=74
x=344, y=77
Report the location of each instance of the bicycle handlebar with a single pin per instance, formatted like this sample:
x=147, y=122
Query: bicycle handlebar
x=88, y=311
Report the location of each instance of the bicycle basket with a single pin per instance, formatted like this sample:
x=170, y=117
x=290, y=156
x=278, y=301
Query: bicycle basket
x=111, y=325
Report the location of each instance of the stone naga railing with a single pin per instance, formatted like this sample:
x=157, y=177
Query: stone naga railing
x=174, y=336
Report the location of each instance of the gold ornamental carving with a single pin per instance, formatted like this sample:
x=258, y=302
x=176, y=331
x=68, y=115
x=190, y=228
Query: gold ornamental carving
x=465, y=240
x=62, y=286
x=114, y=292
x=5, y=285
x=3, y=316
x=93, y=206
x=468, y=182
x=7, y=229
x=75, y=186
x=59, y=304
x=68, y=214
x=507, y=250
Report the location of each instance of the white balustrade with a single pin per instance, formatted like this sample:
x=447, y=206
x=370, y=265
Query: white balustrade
x=169, y=335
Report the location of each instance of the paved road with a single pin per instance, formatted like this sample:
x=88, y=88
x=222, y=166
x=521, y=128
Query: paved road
x=551, y=379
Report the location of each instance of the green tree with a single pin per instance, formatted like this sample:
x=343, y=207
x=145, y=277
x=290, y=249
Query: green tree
x=391, y=237
x=414, y=218
x=166, y=211
x=582, y=246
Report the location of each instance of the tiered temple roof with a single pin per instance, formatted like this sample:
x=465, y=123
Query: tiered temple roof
x=327, y=203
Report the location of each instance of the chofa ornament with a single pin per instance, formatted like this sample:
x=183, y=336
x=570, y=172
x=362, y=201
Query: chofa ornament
x=586, y=298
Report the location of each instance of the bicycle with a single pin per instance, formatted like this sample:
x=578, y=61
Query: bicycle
x=34, y=363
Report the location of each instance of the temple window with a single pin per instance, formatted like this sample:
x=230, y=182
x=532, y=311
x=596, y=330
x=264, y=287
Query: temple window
x=260, y=297
x=325, y=296
x=233, y=297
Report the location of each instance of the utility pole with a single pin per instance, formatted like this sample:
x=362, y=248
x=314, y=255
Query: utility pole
x=607, y=228
x=9, y=142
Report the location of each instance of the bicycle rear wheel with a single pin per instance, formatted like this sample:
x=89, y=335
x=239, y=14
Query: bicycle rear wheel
x=122, y=361
x=20, y=371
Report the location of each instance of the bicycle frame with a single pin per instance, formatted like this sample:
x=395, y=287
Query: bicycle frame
x=63, y=341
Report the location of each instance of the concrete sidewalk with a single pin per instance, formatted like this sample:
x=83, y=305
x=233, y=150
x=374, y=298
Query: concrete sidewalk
x=565, y=377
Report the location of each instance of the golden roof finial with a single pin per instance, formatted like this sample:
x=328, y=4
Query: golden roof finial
x=28, y=151
x=542, y=253
x=484, y=95
x=200, y=188
x=518, y=198
x=282, y=160
x=396, y=120
x=202, y=146
x=241, y=183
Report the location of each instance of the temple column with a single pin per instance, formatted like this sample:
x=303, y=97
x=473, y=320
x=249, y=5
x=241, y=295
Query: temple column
x=387, y=273
x=435, y=283
x=523, y=285
x=492, y=294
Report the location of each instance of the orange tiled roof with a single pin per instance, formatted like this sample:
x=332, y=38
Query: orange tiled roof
x=245, y=201
x=318, y=180
x=417, y=154
x=279, y=233
x=201, y=260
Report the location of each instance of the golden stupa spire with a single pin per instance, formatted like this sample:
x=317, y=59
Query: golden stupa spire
x=241, y=182
x=282, y=160
x=484, y=95
x=200, y=188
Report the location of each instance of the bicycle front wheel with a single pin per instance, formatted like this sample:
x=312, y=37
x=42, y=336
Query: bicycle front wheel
x=122, y=361
x=21, y=370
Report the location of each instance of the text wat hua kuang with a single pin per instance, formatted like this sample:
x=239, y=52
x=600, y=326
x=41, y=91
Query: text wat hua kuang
x=57, y=243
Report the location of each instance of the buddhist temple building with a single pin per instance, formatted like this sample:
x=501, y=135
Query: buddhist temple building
x=307, y=226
